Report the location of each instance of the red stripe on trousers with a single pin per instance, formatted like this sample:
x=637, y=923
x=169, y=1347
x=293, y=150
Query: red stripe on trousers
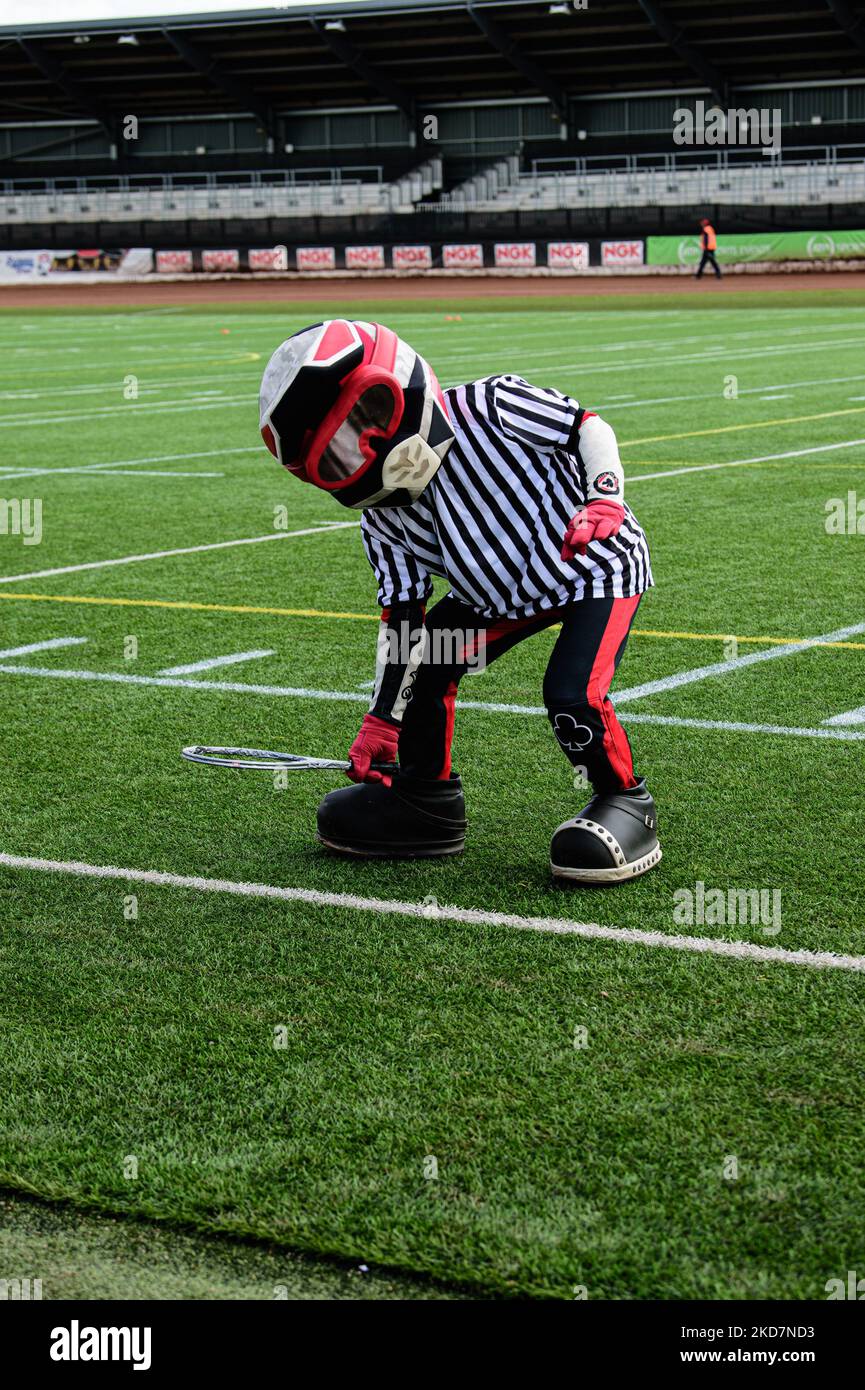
x=615, y=739
x=450, y=703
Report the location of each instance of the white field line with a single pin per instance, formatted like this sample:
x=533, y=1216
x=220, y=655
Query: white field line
x=696, y=359
x=140, y=473
x=22, y=472
x=730, y=343
x=466, y=916
x=23, y=393
x=355, y=697
x=210, y=663
x=743, y=391
x=850, y=716
x=529, y=333
x=248, y=327
x=740, y=463
x=50, y=645
x=734, y=726
x=140, y=341
x=183, y=550
x=80, y=326
x=107, y=412
x=614, y=403
x=721, y=668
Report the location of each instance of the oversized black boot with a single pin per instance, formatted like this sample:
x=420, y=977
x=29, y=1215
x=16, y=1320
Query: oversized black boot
x=412, y=819
x=614, y=839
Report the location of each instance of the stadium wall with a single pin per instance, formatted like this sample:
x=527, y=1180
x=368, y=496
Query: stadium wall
x=815, y=249
x=590, y=224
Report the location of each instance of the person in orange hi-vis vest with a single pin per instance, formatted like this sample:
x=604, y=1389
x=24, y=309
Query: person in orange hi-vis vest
x=709, y=242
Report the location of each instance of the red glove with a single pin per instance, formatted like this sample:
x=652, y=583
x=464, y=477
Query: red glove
x=376, y=742
x=596, y=522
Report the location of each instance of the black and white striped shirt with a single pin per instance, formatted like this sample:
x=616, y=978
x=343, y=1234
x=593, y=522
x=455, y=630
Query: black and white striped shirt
x=492, y=519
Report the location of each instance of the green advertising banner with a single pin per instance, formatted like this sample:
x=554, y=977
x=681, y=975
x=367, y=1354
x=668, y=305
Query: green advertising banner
x=766, y=246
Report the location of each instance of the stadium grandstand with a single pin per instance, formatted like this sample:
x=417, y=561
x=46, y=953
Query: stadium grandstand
x=441, y=117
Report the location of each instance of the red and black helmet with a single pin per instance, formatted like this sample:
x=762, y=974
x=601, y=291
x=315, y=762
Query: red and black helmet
x=352, y=409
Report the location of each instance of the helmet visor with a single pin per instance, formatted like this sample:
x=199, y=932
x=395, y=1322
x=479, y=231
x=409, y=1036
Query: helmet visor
x=370, y=407
x=345, y=455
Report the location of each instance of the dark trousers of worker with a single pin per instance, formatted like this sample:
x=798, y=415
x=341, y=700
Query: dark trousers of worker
x=587, y=651
x=709, y=258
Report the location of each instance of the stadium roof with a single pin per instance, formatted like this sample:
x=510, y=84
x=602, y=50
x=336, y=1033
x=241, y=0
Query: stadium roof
x=416, y=54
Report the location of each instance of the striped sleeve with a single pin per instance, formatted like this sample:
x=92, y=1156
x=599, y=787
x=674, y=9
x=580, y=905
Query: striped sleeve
x=538, y=417
x=400, y=576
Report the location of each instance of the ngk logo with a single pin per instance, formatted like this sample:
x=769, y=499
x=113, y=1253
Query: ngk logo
x=622, y=253
x=220, y=260
x=515, y=253
x=412, y=257
x=177, y=261
x=269, y=258
x=316, y=258
x=568, y=255
x=469, y=256
x=364, y=257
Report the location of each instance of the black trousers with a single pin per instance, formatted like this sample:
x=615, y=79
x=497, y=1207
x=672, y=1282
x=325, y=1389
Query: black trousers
x=709, y=258
x=588, y=649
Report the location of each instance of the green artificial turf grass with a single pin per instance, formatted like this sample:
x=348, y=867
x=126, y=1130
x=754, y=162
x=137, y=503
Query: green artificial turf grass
x=78, y=1255
x=409, y=1039
x=556, y=1165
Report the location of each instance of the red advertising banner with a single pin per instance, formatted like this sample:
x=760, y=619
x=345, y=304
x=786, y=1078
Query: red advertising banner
x=622, y=253
x=364, y=257
x=269, y=258
x=316, y=258
x=173, y=262
x=568, y=255
x=412, y=258
x=220, y=260
x=520, y=255
x=469, y=256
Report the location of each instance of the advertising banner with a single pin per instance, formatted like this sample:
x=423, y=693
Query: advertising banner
x=173, y=262
x=220, y=260
x=92, y=264
x=269, y=258
x=466, y=256
x=568, y=255
x=520, y=255
x=412, y=258
x=622, y=253
x=24, y=265
x=316, y=258
x=738, y=249
x=364, y=257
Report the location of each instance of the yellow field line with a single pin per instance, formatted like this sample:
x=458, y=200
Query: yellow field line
x=754, y=425
x=188, y=603
x=370, y=617
x=731, y=637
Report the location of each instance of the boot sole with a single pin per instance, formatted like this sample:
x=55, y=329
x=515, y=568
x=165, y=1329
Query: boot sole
x=613, y=875
x=361, y=851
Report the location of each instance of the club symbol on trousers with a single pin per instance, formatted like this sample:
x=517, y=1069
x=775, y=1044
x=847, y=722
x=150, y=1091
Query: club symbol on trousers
x=570, y=734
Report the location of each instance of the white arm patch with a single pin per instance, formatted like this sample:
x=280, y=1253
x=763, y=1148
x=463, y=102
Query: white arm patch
x=605, y=477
